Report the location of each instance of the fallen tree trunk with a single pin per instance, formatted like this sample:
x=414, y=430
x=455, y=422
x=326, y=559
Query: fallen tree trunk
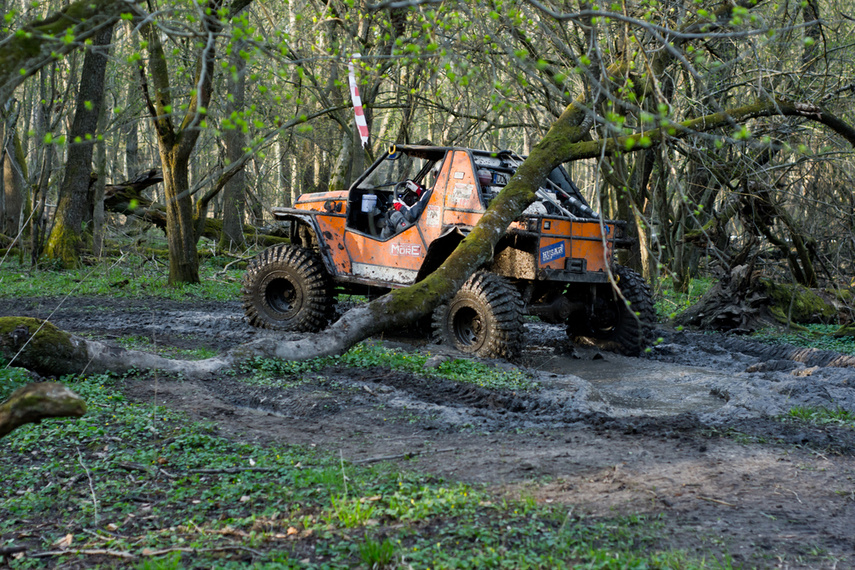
x=35, y=402
x=734, y=304
x=126, y=198
x=41, y=347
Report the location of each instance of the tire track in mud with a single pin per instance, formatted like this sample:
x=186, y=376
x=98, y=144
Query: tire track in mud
x=724, y=344
x=451, y=406
x=808, y=356
x=445, y=404
x=751, y=379
x=210, y=322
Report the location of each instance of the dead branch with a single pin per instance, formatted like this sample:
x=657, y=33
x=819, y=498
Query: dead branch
x=85, y=551
x=146, y=552
x=408, y=455
x=35, y=402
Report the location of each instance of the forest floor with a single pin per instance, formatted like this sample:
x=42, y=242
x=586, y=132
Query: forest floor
x=693, y=436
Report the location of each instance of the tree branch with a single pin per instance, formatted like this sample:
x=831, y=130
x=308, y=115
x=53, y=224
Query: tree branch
x=673, y=130
x=35, y=402
x=37, y=44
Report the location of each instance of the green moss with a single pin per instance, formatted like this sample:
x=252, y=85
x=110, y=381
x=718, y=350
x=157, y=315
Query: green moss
x=795, y=303
x=845, y=331
x=63, y=245
x=701, y=233
x=48, y=350
x=781, y=317
x=842, y=295
x=48, y=335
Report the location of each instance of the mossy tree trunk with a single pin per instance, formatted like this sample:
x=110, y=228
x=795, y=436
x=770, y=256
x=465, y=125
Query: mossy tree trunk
x=180, y=230
x=13, y=174
x=66, y=237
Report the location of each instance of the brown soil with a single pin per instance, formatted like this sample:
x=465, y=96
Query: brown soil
x=678, y=435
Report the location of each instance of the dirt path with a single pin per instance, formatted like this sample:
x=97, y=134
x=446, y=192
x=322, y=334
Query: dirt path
x=686, y=436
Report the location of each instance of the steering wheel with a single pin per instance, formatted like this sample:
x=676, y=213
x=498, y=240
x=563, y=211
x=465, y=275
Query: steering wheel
x=400, y=189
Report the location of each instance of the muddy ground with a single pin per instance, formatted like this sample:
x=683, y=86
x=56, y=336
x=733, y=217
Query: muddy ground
x=687, y=433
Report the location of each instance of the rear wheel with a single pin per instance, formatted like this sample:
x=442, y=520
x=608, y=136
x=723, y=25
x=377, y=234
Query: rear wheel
x=616, y=324
x=484, y=318
x=288, y=288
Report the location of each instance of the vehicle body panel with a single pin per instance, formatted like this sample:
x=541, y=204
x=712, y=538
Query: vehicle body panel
x=539, y=245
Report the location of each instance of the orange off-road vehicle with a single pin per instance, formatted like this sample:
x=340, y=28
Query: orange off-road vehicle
x=403, y=217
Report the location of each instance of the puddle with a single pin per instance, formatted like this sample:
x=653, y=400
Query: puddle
x=637, y=387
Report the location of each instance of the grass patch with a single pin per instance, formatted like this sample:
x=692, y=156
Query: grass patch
x=669, y=302
x=822, y=416
x=11, y=379
x=817, y=336
x=143, y=482
x=129, y=276
x=136, y=342
x=283, y=373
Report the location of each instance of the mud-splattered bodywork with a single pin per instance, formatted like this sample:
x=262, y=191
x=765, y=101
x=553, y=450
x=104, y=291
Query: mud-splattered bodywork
x=557, y=240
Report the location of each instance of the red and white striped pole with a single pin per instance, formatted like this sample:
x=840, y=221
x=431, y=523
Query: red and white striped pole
x=361, y=124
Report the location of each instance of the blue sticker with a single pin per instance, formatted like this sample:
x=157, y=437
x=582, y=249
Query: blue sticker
x=551, y=252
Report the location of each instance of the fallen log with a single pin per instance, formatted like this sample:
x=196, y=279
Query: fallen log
x=35, y=402
x=40, y=346
x=127, y=198
x=43, y=348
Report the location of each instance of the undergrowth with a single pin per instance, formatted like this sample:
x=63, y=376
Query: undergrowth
x=669, y=302
x=141, y=486
x=139, y=342
x=837, y=417
x=128, y=276
x=274, y=372
x=818, y=336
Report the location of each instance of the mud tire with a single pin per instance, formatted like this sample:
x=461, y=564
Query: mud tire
x=484, y=318
x=616, y=326
x=288, y=288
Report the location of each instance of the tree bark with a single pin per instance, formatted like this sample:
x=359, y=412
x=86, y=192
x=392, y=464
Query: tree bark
x=130, y=129
x=64, y=243
x=41, y=347
x=235, y=140
x=14, y=176
x=181, y=232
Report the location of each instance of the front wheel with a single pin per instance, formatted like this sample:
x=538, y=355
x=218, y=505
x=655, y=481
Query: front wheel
x=287, y=288
x=484, y=318
x=621, y=323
